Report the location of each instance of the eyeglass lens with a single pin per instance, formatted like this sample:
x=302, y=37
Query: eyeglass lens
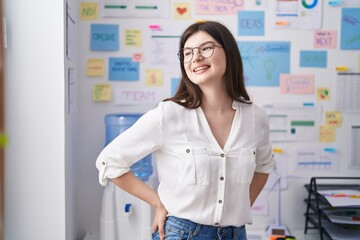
x=206, y=50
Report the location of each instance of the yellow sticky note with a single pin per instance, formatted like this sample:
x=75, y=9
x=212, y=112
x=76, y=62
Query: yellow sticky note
x=154, y=77
x=323, y=93
x=89, y=11
x=182, y=11
x=327, y=134
x=333, y=118
x=95, y=67
x=132, y=38
x=102, y=92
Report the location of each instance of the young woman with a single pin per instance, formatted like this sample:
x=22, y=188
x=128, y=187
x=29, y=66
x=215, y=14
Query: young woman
x=210, y=144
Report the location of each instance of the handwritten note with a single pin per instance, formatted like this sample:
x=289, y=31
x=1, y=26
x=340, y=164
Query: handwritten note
x=89, y=11
x=324, y=39
x=153, y=77
x=132, y=38
x=313, y=59
x=333, y=118
x=95, y=67
x=182, y=11
x=297, y=83
x=137, y=97
x=104, y=37
x=350, y=28
x=218, y=7
x=123, y=69
x=327, y=134
x=102, y=92
x=251, y=23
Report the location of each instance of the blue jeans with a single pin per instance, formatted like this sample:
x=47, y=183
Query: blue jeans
x=183, y=229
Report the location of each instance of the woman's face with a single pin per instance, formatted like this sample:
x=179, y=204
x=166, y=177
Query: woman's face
x=201, y=70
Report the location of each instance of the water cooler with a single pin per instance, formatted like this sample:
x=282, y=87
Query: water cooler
x=124, y=217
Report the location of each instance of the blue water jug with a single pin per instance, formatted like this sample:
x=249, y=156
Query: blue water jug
x=118, y=123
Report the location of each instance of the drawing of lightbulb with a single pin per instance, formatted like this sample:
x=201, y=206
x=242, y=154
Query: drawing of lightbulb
x=269, y=66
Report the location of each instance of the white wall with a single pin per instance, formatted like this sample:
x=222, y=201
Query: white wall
x=35, y=179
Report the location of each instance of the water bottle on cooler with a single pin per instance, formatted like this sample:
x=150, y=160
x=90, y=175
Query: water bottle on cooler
x=118, y=123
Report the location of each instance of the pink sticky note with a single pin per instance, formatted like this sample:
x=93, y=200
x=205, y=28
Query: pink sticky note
x=324, y=39
x=297, y=83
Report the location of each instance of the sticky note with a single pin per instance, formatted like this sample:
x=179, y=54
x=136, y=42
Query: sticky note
x=333, y=118
x=154, y=77
x=95, y=67
x=104, y=37
x=182, y=11
x=350, y=28
x=324, y=39
x=323, y=93
x=313, y=59
x=251, y=23
x=133, y=38
x=174, y=85
x=297, y=83
x=123, y=69
x=89, y=11
x=327, y=134
x=138, y=57
x=102, y=92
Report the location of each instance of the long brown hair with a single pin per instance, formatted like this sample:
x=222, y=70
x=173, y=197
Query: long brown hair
x=189, y=94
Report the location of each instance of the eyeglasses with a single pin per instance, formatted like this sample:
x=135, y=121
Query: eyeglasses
x=206, y=50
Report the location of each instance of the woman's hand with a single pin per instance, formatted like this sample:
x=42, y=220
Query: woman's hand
x=159, y=221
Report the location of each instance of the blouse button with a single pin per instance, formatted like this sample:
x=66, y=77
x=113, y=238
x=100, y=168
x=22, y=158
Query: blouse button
x=217, y=224
x=220, y=201
x=254, y=152
x=222, y=155
x=103, y=163
x=187, y=150
x=222, y=178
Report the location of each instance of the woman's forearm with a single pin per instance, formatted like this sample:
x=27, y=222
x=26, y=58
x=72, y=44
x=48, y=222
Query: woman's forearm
x=133, y=185
x=257, y=184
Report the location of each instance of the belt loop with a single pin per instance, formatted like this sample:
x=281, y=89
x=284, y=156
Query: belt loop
x=235, y=232
x=197, y=229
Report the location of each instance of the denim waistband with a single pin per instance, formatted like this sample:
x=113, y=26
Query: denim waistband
x=212, y=232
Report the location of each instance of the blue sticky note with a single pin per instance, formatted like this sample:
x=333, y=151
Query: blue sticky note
x=350, y=28
x=174, y=85
x=123, y=69
x=313, y=59
x=263, y=62
x=104, y=37
x=251, y=23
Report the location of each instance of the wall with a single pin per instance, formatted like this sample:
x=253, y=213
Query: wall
x=91, y=128
x=35, y=176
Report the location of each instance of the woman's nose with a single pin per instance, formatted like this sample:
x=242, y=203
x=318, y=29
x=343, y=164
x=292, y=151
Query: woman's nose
x=197, y=55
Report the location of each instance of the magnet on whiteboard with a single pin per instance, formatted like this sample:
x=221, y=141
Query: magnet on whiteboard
x=342, y=68
x=282, y=23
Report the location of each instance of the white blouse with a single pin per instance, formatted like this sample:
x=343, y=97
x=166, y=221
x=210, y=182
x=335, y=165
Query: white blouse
x=198, y=180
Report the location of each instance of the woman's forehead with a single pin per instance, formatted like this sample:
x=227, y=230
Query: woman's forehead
x=198, y=38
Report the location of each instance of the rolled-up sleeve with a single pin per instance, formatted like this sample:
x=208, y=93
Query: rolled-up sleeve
x=264, y=158
x=141, y=139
